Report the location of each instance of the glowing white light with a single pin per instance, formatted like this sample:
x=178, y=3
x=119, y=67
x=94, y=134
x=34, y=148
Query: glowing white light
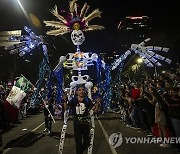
x=31, y=45
x=139, y=60
x=23, y=10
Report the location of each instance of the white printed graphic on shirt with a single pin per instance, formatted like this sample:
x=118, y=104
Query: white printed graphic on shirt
x=80, y=109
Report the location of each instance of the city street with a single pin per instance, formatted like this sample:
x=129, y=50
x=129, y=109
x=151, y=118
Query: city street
x=28, y=137
x=120, y=61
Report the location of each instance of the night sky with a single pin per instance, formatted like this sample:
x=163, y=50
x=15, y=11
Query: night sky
x=164, y=18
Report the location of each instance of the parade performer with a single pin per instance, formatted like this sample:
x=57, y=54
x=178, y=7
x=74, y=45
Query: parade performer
x=47, y=116
x=80, y=105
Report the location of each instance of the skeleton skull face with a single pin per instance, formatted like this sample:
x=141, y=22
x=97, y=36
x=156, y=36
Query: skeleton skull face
x=77, y=37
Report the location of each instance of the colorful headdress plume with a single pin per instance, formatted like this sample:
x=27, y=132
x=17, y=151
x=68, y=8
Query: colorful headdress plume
x=75, y=20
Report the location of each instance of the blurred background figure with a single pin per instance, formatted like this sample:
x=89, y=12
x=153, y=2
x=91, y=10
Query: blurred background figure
x=48, y=112
x=97, y=99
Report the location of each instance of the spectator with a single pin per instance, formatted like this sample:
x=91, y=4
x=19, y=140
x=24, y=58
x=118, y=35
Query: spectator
x=150, y=98
x=135, y=95
x=160, y=119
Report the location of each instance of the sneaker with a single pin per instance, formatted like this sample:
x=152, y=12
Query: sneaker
x=128, y=126
x=164, y=145
x=49, y=132
x=45, y=130
x=159, y=142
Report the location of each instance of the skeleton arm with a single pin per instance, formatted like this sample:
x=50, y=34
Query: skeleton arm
x=62, y=59
x=116, y=63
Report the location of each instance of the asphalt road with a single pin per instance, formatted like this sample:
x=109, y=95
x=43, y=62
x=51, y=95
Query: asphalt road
x=34, y=141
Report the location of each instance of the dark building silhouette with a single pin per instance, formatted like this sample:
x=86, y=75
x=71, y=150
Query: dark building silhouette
x=133, y=30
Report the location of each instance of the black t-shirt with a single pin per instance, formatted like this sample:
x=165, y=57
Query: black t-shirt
x=80, y=110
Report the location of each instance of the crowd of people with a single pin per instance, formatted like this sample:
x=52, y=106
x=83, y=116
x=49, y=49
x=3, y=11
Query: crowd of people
x=21, y=113
x=152, y=105
x=144, y=105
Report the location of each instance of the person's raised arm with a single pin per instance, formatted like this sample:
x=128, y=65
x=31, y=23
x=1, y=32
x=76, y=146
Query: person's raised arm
x=96, y=105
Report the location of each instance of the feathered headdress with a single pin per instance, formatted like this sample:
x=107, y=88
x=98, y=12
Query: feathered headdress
x=75, y=20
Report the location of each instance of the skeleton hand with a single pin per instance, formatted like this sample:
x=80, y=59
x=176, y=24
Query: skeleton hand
x=146, y=53
x=27, y=43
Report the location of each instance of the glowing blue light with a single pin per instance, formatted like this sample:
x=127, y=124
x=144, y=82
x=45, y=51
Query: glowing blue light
x=31, y=45
x=27, y=43
x=117, y=62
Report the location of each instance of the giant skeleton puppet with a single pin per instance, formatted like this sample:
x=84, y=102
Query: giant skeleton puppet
x=76, y=22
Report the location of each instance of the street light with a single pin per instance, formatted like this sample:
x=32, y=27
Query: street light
x=139, y=60
x=23, y=10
